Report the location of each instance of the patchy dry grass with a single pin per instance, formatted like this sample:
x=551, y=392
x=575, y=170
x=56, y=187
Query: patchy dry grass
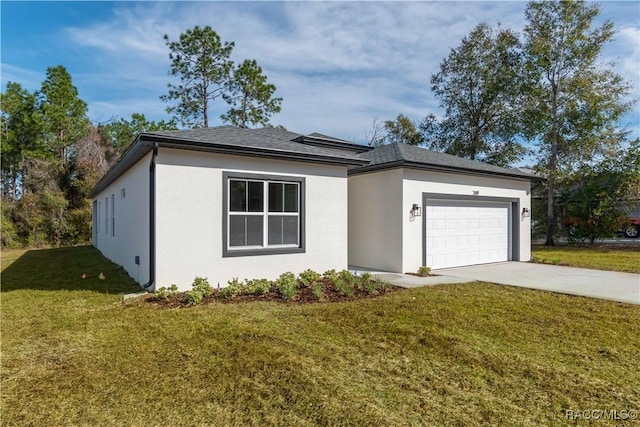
x=469, y=354
x=620, y=258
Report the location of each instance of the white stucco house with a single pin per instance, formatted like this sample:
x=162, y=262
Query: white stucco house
x=226, y=202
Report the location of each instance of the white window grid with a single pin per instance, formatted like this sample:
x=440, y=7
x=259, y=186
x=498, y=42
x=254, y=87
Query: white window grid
x=265, y=214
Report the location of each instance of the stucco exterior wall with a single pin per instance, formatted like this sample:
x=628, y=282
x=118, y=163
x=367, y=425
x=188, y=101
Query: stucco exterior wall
x=131, y=237
x=417, y=182
x=375, y=220
x=189, y=212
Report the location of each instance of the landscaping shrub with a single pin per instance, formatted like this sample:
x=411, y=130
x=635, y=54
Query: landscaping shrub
x=165, y=293
x=162, y=293
x=234, y=288
x=318, y=291
x=347, y=276
x=287, y=285
x=194, y=297
x=382, y=285
x=331, y=275
x=424, y=271
x=308, y=278
x=258, y=286
x=202, y=285
x=344, y=288
x=371, y=287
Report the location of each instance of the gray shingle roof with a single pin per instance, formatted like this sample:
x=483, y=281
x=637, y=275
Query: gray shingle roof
x=277, y=133
x=398, y=155
x=264, y=140
x=283, y=144
x=266, y=143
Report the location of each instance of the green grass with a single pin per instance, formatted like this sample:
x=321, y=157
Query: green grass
x=467, y=354
x=626, y=259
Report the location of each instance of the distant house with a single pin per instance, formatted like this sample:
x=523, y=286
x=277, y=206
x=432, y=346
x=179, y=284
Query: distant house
x=226, y=202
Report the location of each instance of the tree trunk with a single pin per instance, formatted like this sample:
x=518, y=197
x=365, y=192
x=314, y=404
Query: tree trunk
x=205, y=102
x=553, y=162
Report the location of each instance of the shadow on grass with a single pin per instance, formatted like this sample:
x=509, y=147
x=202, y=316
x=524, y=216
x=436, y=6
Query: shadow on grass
x=62, y=269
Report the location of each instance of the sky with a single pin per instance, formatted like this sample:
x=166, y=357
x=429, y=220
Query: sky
x=337, y=65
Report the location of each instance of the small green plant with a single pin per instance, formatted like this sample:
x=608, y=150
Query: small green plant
x=344, y=288
x=363, y=281
x=166, y=293
x=194, y=297
x=234, y=288
x=555, y=261
x=258, y=286
x=308, y=278
x=347, y=276
x=162, y=293
x=371, y=287
x=202, y=285
x=173, y=290
x=331, y=275
x=383, y=286
x=287, y=285
x=318, y=292
x=424, y=271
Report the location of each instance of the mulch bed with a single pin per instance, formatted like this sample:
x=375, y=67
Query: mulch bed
x=304, y=295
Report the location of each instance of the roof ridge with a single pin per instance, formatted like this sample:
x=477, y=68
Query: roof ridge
x=397, y=151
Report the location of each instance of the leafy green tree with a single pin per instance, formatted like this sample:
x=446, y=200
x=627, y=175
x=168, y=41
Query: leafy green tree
x=573, y=103
x=40, y=212
x=478, y=86
x=21, y=136
x=64, y=113
x=592, y=200
x=250, y=96
x=122, y=132
x=201, y=61
x=401, y=130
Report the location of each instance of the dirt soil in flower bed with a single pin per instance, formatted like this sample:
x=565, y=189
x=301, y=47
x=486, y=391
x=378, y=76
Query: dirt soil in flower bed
x=421, y=275
x=304, y=295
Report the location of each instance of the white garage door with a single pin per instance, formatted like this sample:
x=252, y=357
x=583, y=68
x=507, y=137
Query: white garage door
x=466, y=233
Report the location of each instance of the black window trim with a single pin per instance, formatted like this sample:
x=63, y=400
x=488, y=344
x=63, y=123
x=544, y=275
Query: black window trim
x=226, y=252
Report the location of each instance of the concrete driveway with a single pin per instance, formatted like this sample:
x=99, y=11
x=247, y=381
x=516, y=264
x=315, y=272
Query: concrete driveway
x=610, y=285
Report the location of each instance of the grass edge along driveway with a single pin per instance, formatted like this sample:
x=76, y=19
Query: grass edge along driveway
x=74, y=353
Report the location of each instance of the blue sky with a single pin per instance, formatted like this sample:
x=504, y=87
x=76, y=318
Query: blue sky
x=337, y=65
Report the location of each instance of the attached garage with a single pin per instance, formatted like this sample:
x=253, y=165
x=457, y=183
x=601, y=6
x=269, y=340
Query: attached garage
x=464, y=232
x=412, y=207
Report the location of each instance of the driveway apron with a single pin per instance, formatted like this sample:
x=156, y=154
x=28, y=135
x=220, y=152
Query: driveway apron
x=609, y=285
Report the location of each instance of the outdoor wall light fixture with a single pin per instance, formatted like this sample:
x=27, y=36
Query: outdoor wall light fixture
x=415, y=210
x=526, y=212
x=476, y=192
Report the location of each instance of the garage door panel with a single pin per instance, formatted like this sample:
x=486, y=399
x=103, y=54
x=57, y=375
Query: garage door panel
x=465, y=233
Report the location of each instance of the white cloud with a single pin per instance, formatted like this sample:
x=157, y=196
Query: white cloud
x=29, y=79
x=336, y=64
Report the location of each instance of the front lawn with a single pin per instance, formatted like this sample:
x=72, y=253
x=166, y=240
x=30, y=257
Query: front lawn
x=599, y=257
x=73, y=353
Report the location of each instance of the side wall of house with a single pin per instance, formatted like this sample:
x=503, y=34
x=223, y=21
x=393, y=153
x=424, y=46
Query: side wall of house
x=190, y=209
x=121, y=221
x=375, y=226
x=417, y=182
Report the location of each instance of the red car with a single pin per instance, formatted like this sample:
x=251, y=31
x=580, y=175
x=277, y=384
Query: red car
x=632, y=230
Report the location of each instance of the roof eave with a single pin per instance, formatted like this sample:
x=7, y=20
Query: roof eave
x=177, y=143
x=343, y=145
x=144, y=142
x=437, y=168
